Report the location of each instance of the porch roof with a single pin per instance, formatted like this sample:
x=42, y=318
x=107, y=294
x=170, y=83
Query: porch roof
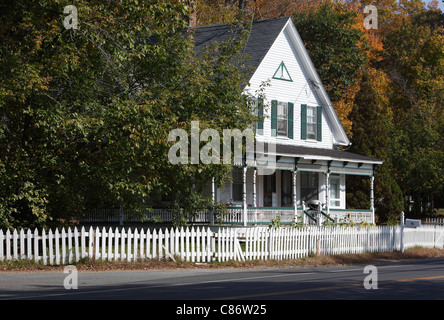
x=323, y=154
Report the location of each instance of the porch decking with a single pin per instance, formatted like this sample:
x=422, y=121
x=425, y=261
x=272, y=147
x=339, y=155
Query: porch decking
x=235, y=215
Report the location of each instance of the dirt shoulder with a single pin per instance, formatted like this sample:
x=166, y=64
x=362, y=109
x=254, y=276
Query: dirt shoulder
x=313, y=261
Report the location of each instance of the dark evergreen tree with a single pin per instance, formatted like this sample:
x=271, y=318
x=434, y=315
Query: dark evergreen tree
x=372, y=131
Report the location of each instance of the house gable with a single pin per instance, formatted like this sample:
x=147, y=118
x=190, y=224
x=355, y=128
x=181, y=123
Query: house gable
x=292, y=79
x=275, y=52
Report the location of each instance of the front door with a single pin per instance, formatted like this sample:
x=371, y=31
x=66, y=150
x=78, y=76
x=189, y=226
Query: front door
x=269, y=188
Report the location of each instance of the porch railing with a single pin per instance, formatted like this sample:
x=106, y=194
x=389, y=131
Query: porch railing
x=259, y=215
x=355, y=215
x=255, y=215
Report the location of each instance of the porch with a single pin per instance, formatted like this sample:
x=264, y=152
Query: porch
x=291, y=179
x=284, y=186
x=234, y=216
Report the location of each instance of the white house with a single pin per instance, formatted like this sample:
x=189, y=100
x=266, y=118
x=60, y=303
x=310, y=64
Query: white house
x=301, y=125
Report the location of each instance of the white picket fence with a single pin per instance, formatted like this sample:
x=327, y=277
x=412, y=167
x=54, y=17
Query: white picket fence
x=433, y=221
x=204, y=245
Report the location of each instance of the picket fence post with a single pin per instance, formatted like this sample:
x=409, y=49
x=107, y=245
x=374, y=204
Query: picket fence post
x=159, y=244
x=402, y=232
x=8, y=244
x=123, y=237
x=2, y=252
x=36, y=245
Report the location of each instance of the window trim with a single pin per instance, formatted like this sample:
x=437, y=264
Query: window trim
x=331, y=199
x=282, y=69
x=281, y=105
x=316, y=122
x=312, y=123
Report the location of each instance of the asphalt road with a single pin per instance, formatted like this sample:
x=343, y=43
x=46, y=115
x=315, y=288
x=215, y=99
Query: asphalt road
x=418, y=280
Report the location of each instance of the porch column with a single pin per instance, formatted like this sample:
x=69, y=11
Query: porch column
x=327, y=182
x=244, y=194
x=372, y=198
x=254, y=187
x=254, y=193
x=295, y=172
x=213, y=190
x=294, y=195
x=213, y=199
x=327, y=195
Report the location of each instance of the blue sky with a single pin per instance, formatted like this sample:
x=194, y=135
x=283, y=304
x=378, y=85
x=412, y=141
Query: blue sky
x=441, y=4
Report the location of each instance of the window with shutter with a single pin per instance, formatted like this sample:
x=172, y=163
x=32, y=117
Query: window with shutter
x=282, y=119
x=311, y=122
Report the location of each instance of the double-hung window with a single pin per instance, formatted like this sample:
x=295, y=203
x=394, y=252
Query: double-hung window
x=335, y=198
x=311, y=123
x=282, y=119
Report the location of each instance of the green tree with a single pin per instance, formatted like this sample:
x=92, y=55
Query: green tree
x=85, y=113
x=337, y=47
x=414, y=61
x=372, y=136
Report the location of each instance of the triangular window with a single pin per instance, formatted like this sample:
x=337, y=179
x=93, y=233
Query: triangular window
x=282, y=73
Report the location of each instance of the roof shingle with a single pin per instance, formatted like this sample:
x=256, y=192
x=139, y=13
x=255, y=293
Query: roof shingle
x=262, y=36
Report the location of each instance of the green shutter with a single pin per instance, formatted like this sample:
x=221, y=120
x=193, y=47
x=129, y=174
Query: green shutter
x=260, y=113
x=274, y=119
x=304, y=122
x=290, y=120
x=319, y=123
